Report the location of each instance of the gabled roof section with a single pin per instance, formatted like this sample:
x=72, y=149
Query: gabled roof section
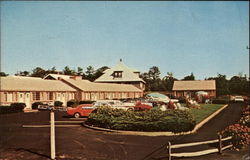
x=18, y=83
x=128, y=74
x=86, y=85
x=194, y=85
x=57, y=76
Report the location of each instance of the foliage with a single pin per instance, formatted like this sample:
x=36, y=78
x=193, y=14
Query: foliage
x=241, y=138
x=13, y=108
x=36, y=104
x=190, y=77
x=240, y=131
x=3, y=74
x=58, y=104
x=68, y=71
x=220, y=101
x=245, y=118
x=154, y=120
x=222, y=85
x=38, y=72
x=22, y=73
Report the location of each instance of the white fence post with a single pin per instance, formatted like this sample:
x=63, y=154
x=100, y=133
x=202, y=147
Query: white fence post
x=220, y=144
x=169, y=151
x=52, y=135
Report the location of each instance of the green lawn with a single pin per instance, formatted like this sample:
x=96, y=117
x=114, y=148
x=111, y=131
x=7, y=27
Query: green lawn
x=204, y=111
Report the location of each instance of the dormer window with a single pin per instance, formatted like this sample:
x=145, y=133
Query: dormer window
x=117, y=74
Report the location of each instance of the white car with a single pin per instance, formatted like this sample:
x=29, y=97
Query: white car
x=238, y=99
x=114, y=104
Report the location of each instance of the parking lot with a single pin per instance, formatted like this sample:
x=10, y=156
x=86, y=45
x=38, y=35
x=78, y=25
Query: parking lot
x=77, y=142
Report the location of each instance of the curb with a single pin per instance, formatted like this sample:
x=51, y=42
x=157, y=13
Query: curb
x=141, y=133
x=30, y=111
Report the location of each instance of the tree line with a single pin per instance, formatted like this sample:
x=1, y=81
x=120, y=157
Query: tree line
x=238, y=84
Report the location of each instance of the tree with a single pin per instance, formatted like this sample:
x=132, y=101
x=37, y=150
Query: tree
x=239, y=84
x=79, y=71
x=3, y=74
x=38, y=72
x=154, y=73
x=68, y=71
x=145, y=77
x=222, y=85
x=168, y=81
x=52, y=71
x=99, y=72
x=190, y=77
x=22, y=73
x=90, y=73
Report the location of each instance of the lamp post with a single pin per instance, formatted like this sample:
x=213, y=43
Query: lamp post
x=52, y=134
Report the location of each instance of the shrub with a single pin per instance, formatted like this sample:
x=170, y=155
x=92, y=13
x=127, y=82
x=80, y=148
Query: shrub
x=240, y=135
x=240, y=131
x=220, y=101
x=13, y=108
x=153, y=120
x=58, y=104
x=36, y=104
x=182, y=100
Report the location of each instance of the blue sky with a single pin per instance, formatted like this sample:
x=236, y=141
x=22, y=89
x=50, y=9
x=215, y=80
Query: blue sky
x=205, y=38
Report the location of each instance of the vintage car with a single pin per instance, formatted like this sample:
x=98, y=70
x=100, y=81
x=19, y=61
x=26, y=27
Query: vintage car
x=113, y=104
x=142, y=107
x=82, y=110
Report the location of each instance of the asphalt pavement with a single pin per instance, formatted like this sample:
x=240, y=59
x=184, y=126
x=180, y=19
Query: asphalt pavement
x=79, y=143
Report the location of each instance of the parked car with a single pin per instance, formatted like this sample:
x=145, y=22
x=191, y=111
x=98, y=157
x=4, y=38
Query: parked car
x=82, y=110
x=114, y=104
x=43, y=107
x=238, y=99
x=142, y=107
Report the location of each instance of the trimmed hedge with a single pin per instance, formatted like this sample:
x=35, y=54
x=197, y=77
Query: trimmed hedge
x=58, y=104
x=154, y=120
x=220, y=101
x=13, y=108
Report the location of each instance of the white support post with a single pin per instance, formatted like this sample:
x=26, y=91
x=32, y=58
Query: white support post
x=169, y=151
x=52, y=135
x=220, y=144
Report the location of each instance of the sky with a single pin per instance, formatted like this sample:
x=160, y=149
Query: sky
x=205, y=38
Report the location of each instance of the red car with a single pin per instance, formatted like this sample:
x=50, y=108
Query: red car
x=142, y=107
x=82, y=110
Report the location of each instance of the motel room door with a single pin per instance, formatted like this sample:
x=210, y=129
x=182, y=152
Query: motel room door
x=24, y=98
x=27, y=100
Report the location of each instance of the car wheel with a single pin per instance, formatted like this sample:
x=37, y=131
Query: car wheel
x=77, y=115
x=130, y=109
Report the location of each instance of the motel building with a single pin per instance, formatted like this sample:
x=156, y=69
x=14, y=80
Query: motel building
x=18, y=89
x=122, y=74
x=189, y=88
x=86, y=90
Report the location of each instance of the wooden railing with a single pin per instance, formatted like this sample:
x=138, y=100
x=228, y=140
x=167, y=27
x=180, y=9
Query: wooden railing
x=198, y=153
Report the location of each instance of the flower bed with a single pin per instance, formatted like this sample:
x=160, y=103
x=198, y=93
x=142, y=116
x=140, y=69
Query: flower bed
x=154, y=120
x=240, y=131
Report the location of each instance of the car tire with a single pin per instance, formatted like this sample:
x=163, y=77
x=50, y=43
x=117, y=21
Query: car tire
x=130, y=109
x=77, y=115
